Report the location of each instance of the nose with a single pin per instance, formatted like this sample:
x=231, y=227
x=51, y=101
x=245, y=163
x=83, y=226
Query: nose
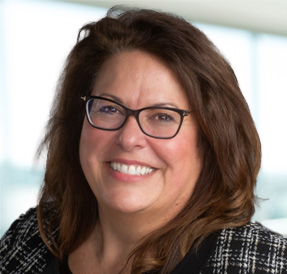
x=130, y=135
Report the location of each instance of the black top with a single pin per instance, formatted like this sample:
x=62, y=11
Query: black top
x=195, y=261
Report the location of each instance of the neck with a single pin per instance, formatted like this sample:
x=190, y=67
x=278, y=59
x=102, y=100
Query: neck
x=120, y=233
x=115, y=236
x=128, y=229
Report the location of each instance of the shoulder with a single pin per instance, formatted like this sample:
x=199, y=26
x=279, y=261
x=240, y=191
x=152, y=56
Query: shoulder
x=249, y=249
x=22, y=248
x=252, y=236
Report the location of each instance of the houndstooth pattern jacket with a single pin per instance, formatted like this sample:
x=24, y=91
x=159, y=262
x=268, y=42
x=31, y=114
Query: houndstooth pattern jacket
x=250, y=249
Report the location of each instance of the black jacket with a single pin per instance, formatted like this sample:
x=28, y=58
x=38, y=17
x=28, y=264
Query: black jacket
x=248, y=249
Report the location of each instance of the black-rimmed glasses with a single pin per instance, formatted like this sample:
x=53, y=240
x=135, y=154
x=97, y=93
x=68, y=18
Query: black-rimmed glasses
x=156, y=122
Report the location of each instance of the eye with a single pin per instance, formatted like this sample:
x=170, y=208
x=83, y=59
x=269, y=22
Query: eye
x=162, y=117
x=102, y=107
x=108, y=110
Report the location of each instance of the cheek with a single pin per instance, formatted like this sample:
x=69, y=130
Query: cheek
x=86, y=141
x=85, y=144
x=92, y=140
x=183, y=161
x=183, y=151
x=90, y=147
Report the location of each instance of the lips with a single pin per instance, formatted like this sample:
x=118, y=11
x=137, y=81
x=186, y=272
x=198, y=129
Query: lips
x=131, y=169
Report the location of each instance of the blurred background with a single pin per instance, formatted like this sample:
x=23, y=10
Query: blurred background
x=36, y=37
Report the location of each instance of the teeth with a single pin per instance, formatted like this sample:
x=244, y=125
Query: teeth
x=132, y=169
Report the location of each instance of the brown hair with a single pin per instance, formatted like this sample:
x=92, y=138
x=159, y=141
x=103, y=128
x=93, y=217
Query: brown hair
x=224, y=193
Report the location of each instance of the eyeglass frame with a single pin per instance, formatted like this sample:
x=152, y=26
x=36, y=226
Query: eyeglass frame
x=135, y=113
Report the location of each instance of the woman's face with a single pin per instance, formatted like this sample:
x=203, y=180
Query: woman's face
x=138, y=80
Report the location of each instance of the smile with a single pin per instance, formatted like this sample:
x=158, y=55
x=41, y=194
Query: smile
x=131, y=169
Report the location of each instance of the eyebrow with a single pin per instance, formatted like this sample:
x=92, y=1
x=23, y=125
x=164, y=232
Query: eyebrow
x=117, y=99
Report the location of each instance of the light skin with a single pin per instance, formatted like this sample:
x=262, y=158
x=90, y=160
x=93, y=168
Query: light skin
x=131, y=206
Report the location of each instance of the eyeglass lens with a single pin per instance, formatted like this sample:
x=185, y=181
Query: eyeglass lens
x=156, y=122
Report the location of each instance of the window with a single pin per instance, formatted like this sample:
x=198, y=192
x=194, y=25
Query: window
x=36, y=38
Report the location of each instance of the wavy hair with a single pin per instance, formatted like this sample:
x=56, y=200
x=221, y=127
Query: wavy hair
x=224, y=192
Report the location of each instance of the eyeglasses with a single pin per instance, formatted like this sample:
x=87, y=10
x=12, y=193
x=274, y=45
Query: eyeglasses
x=156, y=122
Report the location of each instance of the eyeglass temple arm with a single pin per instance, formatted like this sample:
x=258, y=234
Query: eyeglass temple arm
x=186, y=112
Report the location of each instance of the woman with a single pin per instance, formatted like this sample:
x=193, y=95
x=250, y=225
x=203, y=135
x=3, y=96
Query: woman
x=152, y=160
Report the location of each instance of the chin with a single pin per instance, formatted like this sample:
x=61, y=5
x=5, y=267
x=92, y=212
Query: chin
x=130, y=203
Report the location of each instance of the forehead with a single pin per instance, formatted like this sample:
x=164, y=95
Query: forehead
x=139, y=79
